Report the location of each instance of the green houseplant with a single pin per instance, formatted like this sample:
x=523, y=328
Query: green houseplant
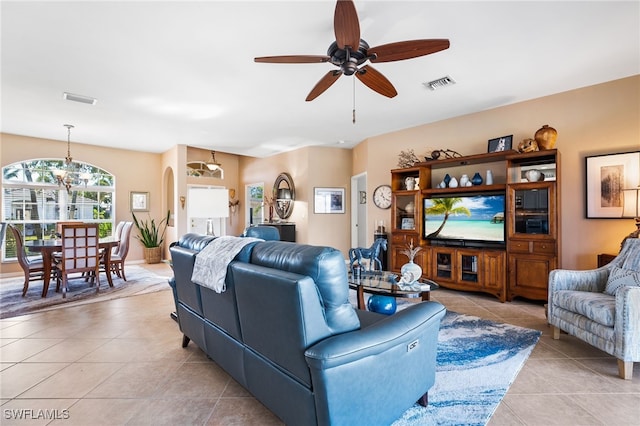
x=151, y=235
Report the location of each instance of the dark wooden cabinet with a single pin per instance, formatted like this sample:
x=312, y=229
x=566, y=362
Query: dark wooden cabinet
x=287, y=230
x=604, y=259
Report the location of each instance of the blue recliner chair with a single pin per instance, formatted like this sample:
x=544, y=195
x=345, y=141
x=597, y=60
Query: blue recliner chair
x=266, y=232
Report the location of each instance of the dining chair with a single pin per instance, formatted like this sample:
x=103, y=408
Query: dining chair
x=120, y=252
x=32, y=266
x=80, y=253
x=59, y=225
x=3, y=231
x=116, y=234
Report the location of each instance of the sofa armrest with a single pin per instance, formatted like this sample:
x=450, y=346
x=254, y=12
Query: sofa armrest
x=593, y=280
x=627, y=323
x=391, y=364
x=375, y=339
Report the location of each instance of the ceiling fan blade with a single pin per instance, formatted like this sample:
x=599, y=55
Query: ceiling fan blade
x=375, y=81
x=324, y=83
x=407, y=49
x=345, y=25
x=293, y=59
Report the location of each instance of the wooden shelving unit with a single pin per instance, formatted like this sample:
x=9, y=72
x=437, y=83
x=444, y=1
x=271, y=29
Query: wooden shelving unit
x=532, y=224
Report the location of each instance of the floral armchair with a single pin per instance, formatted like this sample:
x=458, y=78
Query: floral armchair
x=601, y=306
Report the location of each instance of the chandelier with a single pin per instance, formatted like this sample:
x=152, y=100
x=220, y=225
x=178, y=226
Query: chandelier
x=212, y=164
x=67, y=175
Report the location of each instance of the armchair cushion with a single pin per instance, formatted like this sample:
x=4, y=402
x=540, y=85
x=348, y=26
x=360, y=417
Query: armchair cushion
x=598, y=307
x=619, y=277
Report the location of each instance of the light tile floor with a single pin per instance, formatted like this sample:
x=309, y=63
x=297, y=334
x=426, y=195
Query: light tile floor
x=121, y=362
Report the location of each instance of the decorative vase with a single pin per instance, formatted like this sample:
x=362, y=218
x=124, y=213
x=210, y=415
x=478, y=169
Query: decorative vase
x=546, y=137
x=476, y=179
x=453, y=183
x=489, y=179
x=410, y=208
x=270, y=213
x=152, y=254
x=411, y=269
x=410, y=183
x=382, y=304
x=446, y=180
x=534, y=175
x=464, y=180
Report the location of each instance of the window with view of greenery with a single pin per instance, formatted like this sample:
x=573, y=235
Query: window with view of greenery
x=33, y=202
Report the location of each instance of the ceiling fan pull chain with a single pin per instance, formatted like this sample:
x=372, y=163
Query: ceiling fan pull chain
x=354, y=101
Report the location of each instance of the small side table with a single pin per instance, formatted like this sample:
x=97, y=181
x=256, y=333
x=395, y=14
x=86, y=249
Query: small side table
x=604, y=258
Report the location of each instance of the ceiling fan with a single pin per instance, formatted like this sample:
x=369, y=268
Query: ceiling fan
x=349, y=52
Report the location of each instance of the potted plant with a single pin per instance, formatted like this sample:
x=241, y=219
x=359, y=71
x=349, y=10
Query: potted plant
x=151, y=235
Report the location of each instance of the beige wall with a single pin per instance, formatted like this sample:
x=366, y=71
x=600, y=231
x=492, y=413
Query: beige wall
x=595, y=120
x=309, y=167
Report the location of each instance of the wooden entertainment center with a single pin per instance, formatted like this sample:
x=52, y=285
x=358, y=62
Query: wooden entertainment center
x=519, y=265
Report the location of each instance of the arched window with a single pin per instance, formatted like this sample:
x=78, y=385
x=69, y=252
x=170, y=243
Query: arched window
x=33, y=201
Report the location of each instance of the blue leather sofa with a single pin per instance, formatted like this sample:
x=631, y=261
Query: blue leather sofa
x=285, y=330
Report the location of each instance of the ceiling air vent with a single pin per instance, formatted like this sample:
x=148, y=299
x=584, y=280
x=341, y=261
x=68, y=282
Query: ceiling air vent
x=439, y=83
x=79, y=98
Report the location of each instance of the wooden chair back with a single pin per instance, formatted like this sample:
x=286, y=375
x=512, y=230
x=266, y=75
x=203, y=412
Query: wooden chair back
x=80, y=248
x=60, y=224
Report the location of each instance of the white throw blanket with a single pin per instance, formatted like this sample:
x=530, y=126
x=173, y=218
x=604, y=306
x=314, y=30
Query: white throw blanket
x=210, y=268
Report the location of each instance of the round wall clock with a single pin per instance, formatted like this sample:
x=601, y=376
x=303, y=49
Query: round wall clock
x=382, y=196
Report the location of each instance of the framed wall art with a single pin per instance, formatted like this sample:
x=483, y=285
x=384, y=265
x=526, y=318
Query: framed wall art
x=328, y=200
x=139, y=201
x=607, y=176
x=503, y=143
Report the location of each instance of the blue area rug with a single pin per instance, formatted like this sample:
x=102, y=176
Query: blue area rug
x=477, y=361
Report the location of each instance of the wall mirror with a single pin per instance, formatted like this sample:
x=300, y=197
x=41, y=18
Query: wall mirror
x=285, y=194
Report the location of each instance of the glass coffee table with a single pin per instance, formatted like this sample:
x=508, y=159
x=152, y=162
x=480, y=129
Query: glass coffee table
x=383, y=283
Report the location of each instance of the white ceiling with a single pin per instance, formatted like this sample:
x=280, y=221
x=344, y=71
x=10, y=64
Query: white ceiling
x=176, y=72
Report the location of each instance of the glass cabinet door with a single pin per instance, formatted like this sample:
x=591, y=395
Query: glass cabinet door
x=468, y=267
x=444, y=263
x=405, y=212
x=531, y=211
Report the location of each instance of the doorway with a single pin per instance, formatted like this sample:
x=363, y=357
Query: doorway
x=254, y=204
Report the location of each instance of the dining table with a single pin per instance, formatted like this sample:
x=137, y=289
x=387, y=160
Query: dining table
x=49, y=246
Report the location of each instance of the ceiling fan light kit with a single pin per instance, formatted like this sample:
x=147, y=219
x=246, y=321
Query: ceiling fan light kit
x=350, y=53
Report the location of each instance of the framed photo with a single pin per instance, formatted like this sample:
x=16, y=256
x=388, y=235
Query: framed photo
x=139, y=201
x=503, y=143
x=328, y=200
x=606, y=177
x=407, y=223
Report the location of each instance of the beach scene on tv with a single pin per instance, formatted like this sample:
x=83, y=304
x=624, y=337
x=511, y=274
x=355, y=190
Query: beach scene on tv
x=479, y=217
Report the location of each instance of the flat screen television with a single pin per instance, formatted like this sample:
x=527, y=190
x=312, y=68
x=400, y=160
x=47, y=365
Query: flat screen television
x=471, y=220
